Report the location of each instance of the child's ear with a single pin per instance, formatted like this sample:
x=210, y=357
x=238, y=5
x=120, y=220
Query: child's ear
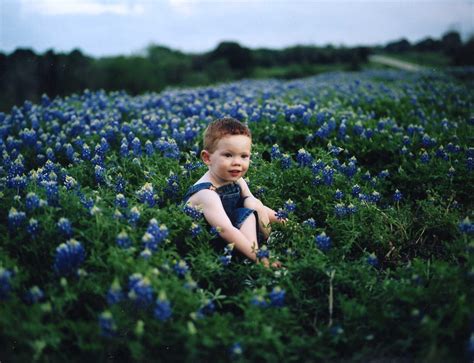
x=205, y=156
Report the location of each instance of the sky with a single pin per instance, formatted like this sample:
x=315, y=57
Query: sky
x=123, y=27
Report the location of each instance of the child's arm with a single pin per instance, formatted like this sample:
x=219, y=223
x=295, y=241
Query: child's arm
x=215, y=215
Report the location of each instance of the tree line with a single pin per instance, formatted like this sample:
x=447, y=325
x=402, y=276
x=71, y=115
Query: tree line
x=25, y=75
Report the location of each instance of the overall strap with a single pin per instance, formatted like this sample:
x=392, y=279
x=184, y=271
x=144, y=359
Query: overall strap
x=196, y=188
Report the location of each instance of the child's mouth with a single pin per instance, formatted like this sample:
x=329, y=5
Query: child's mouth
x=234, y=172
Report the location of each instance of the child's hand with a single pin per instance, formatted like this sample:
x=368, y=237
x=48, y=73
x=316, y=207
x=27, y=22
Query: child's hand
x=266, y=263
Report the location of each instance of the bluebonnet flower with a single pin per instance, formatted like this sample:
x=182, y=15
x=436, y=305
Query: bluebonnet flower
x=453, y=149
x=317, y=166
x=146, y=253
x=304, y=158
x=441, y=154
x=136, y=146
x=207, y=308
x=425, y=157
x=172, y=187
x=383, y=174
x=225, y=259
x=375, y=197
x=310, y=223
x=162, y=309
x=317, y=180
x=451, y=172
x=99, y=174
x=158, y=232
x=52, y=192
x=323, y=241
x=366, y=176
x=351, y=208
x=65, y=226
x=281, y=214
x=34, y=295
x=33, y=227
x=277, y=297
x=181, y=268
x=69, y=182
x=5, y=283
x=120, y=184
x=470, y=163
x=17, y=182
x=466, y=226
x=214, y=231
x=236, y=349
x=340, y=210
x=397, y=196
x=134, y=215
x=121, y=201
x=15, y=218
x=285, y=161
x=259, y=300
x=86, y=152
x=107, y=325
x=140, y=291
x=350, y=169
x=263, y=252
x=149, y=149
x=195, y=229
x=115, y=293
x=124, y=150
x=194, y=213
x=373, y=260
x=32, y=201
x=69, y=256
x=338, y=195
x=146, y=194
x=289, y=206
x=275, y=152
x=328, y=174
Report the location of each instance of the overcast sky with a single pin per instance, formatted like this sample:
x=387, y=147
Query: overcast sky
x=112, y=27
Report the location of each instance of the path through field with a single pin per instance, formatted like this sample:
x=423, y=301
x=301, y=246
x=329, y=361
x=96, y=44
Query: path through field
x=392, y=62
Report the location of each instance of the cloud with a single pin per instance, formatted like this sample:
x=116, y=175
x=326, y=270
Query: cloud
x=80, y=7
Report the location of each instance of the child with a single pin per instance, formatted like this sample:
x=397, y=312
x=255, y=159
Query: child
x=222, y=193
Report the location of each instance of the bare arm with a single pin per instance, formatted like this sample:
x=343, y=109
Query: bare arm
x=215, y=215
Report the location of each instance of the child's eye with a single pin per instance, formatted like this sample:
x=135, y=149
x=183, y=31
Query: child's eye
x=228, y=155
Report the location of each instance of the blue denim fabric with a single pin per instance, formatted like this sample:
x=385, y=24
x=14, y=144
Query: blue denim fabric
x=232, y=202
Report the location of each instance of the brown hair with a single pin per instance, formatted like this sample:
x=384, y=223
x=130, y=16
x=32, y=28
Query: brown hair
x=217, y=129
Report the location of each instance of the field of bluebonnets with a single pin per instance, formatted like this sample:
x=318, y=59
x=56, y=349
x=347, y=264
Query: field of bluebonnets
x=100, y=260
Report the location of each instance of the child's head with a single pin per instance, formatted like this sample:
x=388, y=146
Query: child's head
x=220, y=128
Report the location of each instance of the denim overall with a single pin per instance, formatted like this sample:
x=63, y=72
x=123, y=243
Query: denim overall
x=233, y=204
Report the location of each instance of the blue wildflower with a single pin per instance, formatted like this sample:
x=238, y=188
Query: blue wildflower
x=323, y=241
x=86, y=152
x=34, y=295
x=5, y=283
x=115, y=293
x=310, y=223
x=195, y=229
x=340, y=209
x=466, y=226
x=99, y=174
x=351, y=208
x=149, y=149
x=69, y=256
x=372, y=260
x=259, y=300
x=107, y=325
x=275, y=152
x=277, y=297
x=304, y=158
x=65, y=226
x=425, y=157
x=263, y=252
x=181, y=268
x=15, y=218
x=162, y=309
x=328, y=174
x=397, y=196
x=33, y=227
x=208, y=308
x=32, y=201
x=140, y=291
x=285, y=161
x=338, y=195
x=134, y=215
x=52, y=192
x=194, y=213
x=121, y=201
x=289, y=206
x=70, y=183
x=236, y=350
x=281, y=214
x=136, y=146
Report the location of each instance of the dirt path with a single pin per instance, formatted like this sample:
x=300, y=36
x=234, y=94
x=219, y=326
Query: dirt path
x=392, y=62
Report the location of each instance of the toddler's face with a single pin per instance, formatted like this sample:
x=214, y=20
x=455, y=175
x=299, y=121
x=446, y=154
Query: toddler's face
x=230, y=160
